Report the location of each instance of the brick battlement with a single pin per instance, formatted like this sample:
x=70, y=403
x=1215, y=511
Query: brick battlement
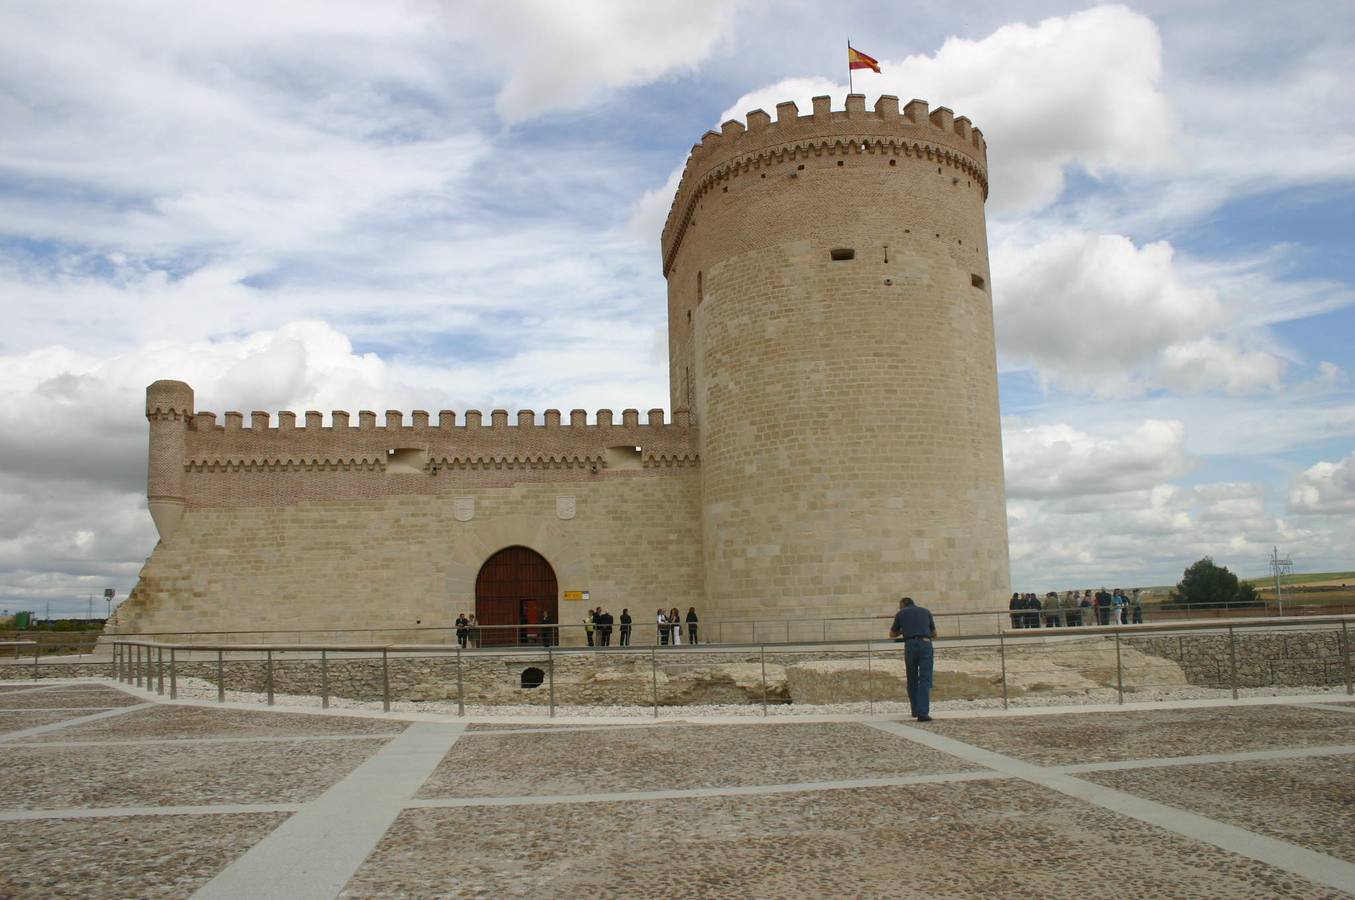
x=424, y=445
x=915, y=131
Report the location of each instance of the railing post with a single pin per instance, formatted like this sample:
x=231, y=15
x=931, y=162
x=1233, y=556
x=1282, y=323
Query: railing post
x=1002, y=654
x=460, y=685
x=870, y=678
x=550, y=673
x=173, y=680
x=1345, y=653
x=1119, y=671
x=788, y=631
x=324, y=679
x=220, y=675
x=825, y=630
x=385, y=681
x=762, y=655
x=268, y=674
x=160, y=670
x=136, y=665
x=654, y=675
x=37, y=648
x=1232, y=659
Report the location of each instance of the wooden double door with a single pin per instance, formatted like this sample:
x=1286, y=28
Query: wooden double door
x=516, y=587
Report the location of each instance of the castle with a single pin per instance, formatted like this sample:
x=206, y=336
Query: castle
x=834, y=439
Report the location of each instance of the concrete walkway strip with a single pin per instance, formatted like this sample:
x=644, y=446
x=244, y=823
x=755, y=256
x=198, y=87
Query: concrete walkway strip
x=36, y=730
x=316, y=851
x=1332, y=706
x=696, y=793
x=123, y=812
x=263, y=739
x=1308, y=864
x=60, y=709
x=1206, y=759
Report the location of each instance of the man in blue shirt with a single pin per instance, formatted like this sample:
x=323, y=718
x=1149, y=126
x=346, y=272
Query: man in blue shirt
x=915, y=627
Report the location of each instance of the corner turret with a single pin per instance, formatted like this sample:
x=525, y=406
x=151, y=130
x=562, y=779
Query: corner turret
x=169, y=408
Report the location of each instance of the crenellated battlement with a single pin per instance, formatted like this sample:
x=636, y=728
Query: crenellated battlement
x=913, y=131
x=392, y=420
x=424, y=444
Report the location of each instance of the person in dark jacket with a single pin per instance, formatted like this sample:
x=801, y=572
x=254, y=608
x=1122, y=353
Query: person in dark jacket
x=1033, y=616
x=604, y=621
x=1017, y=604
x=625, y=627
x=691, y=624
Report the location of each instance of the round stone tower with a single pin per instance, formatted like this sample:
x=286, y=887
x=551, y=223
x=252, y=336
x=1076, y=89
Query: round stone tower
x=169, y=408
x=831, y=331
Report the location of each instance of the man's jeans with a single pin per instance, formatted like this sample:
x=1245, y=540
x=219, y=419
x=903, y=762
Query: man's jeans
x=917, y=655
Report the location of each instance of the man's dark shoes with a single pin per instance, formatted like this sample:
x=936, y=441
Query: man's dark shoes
x=924, y=718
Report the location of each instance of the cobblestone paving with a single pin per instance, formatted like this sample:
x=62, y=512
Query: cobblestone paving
x=666, y=758
x=536, y=813
x=162, y=774
x=55, y=699
x=168, y=856
x=206, y=722
x=1305, y=801
x=982, y=839
x=1099, y=737
x=13, y=721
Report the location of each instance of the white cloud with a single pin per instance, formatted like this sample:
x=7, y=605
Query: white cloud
x=651, y=210
x=1325, y=488
x=1047, y=461
x=562, y=55
x=1209, y=364
x=216, y=128
x=1098, y=313
x=1081, y=89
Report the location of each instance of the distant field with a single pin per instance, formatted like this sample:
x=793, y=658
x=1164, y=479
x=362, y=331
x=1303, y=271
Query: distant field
x=1314, y=579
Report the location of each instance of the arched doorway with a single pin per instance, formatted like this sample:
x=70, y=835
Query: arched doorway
x=516, y=586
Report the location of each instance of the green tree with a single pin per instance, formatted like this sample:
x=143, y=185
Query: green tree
x=1205, y=584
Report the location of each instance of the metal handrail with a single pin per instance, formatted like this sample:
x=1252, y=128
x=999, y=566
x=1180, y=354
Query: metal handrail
x=511, y=649
x=132, y=659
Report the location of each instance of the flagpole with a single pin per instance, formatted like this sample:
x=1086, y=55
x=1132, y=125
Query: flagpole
x=849, y=65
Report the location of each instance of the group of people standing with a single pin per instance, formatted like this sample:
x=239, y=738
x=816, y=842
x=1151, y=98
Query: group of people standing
x=467, y=630
x=598, y=625
x=670, y=626
x=1074, y=608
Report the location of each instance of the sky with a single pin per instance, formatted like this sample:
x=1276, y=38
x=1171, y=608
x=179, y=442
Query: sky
x=420, y=205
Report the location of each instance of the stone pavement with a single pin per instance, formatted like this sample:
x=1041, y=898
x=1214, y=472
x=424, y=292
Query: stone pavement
x=108, y=792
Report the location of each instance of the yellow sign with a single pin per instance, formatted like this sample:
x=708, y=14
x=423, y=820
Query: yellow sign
x=576, y=595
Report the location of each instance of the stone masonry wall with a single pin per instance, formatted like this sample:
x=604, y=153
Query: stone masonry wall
x=1263, y=660
x=411, y=561
x=831, y=328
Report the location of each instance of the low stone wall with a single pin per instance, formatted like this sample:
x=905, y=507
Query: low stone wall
x=1270, y=659
x=26, y=671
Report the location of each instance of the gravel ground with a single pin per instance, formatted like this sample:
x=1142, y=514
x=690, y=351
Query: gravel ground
x=978, y=839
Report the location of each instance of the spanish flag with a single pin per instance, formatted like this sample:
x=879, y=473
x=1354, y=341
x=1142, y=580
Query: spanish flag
x=858, y=60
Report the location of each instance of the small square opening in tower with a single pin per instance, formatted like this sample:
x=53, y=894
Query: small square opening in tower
x=838, y=254
x=977, y=281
